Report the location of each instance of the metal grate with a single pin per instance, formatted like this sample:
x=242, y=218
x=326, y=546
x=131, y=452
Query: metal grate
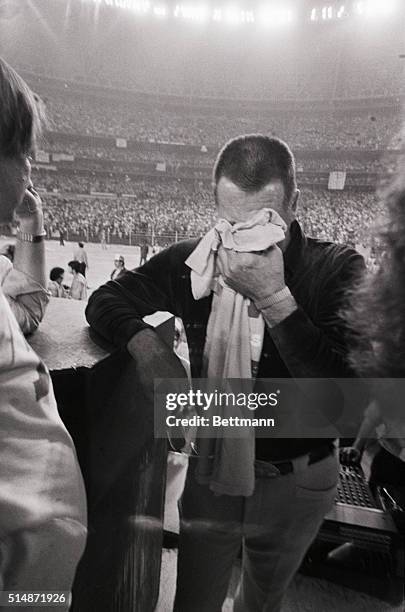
x=353, y=489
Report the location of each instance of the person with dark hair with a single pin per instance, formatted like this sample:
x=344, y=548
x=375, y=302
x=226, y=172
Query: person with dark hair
x=8, y=251
x=250, y=162
x=294, y=290
x=42, y=499
x=78, y=288
x=80, y=255
x=144, y=253
x=55, y=286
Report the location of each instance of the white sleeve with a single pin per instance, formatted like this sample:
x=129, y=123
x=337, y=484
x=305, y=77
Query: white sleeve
x=27, y=298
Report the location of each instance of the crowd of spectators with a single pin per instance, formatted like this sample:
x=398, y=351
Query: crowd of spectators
x=112, y=153
x=309, y=64
x=90, y=183
x=75, y=113
x=371, y=73
x=164, y=208
x=118, y=183
x=171, y=208
x=344, y=217
x=172, y=211
x=115, y=159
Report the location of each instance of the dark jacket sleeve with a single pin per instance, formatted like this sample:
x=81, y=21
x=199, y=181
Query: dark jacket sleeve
x=116, y=309
x=318, y=346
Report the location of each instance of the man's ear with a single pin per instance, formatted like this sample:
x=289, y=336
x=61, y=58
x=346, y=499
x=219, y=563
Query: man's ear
x=294, y=201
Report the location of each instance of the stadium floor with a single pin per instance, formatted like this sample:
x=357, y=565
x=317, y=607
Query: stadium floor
x=305, y=594
x=101, y=262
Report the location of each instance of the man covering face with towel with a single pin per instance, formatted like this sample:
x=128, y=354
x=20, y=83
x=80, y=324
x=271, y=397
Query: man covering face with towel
x=273, y=297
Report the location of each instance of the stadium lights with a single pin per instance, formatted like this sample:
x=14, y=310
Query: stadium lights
x=270, y=16
x=274, y=13
x=341, y=12
x=138, y=6
x=360, y=8
x=232, y=15
x=141, y=7
x=217, y=15
x=248, y=16
x=327, y=12
x=160, y=10
x=375, y=8
x=192, y=13
x=380, y=7
x=324, y=13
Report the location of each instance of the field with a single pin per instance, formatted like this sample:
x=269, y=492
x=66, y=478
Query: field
x=101, y=262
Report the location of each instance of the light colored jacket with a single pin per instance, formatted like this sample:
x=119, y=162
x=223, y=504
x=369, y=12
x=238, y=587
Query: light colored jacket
x=78, y=288
x=42, y=496
x=27, y=298
x=57, y=290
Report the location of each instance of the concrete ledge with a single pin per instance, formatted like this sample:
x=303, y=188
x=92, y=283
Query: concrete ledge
x=63, y=340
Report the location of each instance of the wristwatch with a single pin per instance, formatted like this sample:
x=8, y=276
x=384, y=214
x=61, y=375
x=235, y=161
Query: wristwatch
x=25, y=237
x=271, y=300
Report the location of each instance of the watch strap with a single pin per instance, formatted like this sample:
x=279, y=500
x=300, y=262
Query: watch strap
x=34, y=238
x=271, y=300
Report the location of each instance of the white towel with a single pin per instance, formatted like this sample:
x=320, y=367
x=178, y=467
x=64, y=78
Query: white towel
x=233, y=344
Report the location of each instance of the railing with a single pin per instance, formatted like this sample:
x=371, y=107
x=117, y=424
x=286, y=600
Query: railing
x=130, y=239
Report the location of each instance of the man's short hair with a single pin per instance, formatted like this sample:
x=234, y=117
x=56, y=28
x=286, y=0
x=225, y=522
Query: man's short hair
x=253, y=161
x=55, y=273
x=81, y=244
x=21, y=114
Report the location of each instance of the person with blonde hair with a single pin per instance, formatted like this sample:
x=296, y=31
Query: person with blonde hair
x=42, y=498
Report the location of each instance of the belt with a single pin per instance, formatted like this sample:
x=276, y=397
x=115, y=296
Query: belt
x=270, y=469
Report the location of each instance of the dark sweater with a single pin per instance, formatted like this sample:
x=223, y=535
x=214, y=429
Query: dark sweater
x=310, y=343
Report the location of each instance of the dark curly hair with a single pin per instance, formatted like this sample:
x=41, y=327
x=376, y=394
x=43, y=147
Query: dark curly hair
x=55, y=273
x=378, y=306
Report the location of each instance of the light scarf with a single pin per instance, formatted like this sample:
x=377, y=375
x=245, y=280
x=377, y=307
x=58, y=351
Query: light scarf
x=233, y=345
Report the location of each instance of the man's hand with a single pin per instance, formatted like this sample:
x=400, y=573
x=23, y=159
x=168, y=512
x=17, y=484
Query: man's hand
x=254, y=275
x=30, y=214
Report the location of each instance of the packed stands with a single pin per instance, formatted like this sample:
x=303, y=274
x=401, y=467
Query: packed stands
x=132, y=136
x=73, y=113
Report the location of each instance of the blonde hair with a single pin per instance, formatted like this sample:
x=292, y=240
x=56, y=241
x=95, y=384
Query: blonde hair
x=21, y=114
